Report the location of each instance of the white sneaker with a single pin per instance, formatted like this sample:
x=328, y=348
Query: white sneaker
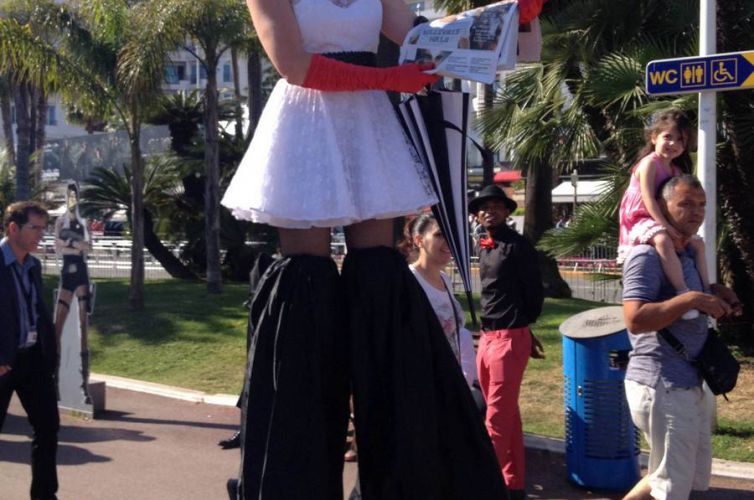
x=690, y=314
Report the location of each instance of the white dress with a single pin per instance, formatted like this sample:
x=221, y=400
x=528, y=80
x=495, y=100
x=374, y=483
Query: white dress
x=321, y=159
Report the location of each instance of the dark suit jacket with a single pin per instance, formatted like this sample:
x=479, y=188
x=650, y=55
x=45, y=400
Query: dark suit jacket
x=9, y=320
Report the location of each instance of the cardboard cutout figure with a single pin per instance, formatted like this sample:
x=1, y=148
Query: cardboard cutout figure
x=72, y=243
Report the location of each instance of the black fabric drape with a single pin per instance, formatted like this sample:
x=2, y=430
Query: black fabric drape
x=296, y=412
x=418, y=430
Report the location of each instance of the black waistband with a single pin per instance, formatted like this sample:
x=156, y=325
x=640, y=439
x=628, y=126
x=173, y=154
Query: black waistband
x=23, y=351
x=358, y=58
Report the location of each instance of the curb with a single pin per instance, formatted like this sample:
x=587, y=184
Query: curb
x=165, y=390
x=723, y=468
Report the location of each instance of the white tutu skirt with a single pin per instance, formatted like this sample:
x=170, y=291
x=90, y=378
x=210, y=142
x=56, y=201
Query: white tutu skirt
x=322, y=159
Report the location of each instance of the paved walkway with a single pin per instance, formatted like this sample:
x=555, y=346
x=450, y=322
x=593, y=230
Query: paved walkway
x=153, y=447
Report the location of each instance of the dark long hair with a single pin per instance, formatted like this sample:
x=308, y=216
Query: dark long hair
x=415, y=225
x=666, y=120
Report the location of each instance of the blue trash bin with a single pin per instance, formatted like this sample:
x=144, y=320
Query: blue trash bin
x=602, y=444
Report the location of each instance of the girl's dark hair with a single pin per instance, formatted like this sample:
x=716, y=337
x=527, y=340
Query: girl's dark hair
x=418, y=224
x=665, y=120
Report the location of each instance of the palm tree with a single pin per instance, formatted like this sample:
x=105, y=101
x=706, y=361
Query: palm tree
x=6, y=91
x=30, y=107
x=528, y=108
x=107, y=191
x=216, y=26
x=609, y=67
x=530, y=118
x=182, y=112
x=7, y=184
x=602, y=67
x=734, y=164
x=109, y=60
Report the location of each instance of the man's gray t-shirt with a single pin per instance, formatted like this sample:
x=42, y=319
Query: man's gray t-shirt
x=652, y=358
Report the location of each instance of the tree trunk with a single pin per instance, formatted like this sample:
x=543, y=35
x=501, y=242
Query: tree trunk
x=136, y=289
x=40, y=136
x=212, y=173
x=23, y=135
x=735, y=169
x=6, y=93
x=237, y=94
x=165, y=257
x=485, y=98
x=537, y=220
x=254, y=72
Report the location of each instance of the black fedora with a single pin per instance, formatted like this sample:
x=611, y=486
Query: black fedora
x=491, y=192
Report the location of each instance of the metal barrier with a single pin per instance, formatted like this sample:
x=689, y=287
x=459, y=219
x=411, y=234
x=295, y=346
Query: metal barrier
x=586, y=277
x=109, y=258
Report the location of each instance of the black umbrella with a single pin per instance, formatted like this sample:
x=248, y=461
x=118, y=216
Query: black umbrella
x=436, y=124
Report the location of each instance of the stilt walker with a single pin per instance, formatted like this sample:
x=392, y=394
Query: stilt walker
x=329, y=151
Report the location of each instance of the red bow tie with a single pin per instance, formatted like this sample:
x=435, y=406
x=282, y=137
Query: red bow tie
x=486, y=243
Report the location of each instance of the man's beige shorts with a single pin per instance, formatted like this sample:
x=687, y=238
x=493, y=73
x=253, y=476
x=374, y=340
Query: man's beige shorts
x=678, y=426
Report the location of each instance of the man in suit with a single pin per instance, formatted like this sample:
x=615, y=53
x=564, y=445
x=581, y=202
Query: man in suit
x=28, y=347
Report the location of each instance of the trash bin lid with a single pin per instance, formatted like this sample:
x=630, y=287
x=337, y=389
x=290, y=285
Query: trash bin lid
x=594, y=323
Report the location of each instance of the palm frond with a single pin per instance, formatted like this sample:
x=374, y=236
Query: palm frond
x=153, y=33
x=33, y=60
x=107, y=190
x=617, y=82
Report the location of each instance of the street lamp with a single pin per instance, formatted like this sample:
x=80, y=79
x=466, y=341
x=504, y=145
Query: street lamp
x=574, y=183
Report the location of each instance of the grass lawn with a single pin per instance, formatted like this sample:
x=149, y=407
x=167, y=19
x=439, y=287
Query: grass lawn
x=184, y=337
x=541, y=398
x=188, y=338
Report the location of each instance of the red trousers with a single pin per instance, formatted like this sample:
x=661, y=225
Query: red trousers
x=501, y=360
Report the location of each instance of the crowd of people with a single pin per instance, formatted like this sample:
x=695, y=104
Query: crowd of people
x=329, y=151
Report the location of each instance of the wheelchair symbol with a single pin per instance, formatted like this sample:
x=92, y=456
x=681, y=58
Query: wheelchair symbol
x=721, y=71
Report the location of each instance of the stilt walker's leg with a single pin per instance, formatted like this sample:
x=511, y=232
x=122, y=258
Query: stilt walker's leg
x=417, y=427
x=295, y=410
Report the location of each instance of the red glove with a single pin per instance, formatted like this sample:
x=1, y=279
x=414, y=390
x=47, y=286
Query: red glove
x=336, y=76
x=528, y=10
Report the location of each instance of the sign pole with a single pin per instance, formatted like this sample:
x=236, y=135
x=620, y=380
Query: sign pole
x=707, y=137
x=706, y=164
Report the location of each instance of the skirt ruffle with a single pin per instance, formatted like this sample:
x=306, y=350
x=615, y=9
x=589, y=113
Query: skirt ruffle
x=321, y=159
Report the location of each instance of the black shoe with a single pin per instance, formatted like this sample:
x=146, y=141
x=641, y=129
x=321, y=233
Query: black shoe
x=232, y=442
x=517, y=494
x=232, y=487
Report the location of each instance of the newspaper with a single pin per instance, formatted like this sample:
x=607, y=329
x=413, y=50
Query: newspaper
x=472, y=45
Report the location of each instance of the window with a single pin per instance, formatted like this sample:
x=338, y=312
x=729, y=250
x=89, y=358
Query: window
x=171, y=74
x=202, y=72
x=52, y=118
x=227, y=74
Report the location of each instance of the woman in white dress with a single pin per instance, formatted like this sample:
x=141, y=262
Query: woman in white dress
x=328, y=150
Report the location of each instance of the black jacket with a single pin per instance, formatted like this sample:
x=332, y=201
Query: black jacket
x=512, y=291
x=9, y=320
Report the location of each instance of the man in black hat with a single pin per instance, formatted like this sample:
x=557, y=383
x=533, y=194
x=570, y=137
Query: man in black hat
x=512, y=297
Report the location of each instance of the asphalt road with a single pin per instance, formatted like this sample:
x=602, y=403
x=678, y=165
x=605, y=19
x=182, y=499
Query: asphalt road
x=150, y=447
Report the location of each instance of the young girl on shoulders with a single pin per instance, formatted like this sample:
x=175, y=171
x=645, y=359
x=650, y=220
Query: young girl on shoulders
x=665, y=155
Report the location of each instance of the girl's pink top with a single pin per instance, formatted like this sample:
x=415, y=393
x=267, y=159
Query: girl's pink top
x=632, y=208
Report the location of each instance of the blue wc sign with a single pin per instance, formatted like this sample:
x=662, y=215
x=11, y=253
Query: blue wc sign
x=731, y=71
